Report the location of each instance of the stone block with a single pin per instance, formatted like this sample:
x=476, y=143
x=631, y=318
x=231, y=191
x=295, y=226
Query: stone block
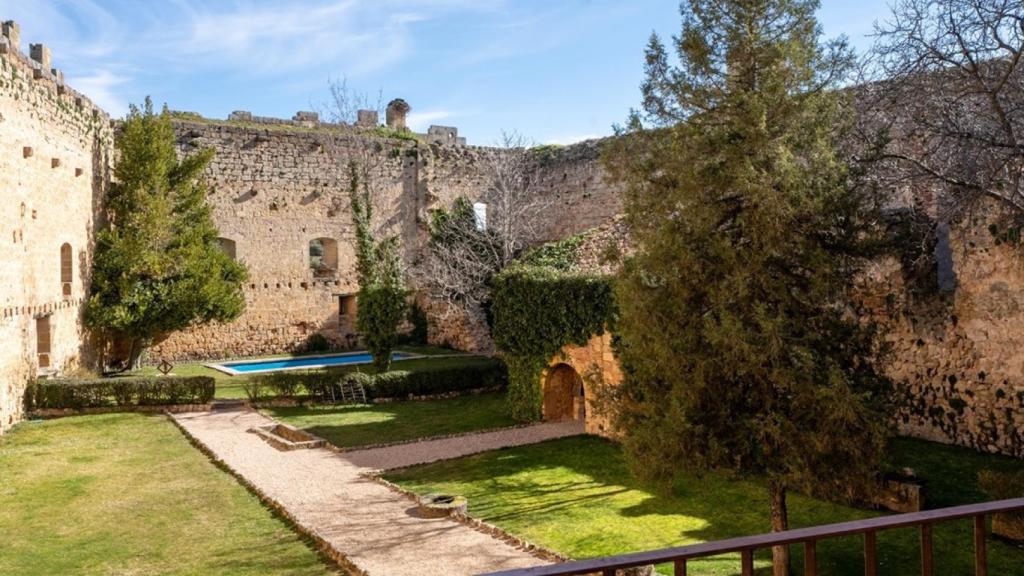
x=12, y=31
x=41, y=54
x=367, y=118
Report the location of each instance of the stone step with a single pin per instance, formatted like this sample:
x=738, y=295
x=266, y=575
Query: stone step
x=229, y=405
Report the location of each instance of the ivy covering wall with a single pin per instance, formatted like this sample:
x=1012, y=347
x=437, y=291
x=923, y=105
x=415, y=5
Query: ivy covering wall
x=538, y=310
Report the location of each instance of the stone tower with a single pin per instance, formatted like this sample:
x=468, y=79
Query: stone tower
x=396, y=112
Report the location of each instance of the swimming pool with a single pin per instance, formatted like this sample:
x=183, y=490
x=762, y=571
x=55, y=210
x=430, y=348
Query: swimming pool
x=303, y=362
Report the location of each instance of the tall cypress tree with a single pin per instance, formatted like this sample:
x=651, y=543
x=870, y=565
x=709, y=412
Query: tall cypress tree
x=382, y=289
x=158, y=267
x=738, y=343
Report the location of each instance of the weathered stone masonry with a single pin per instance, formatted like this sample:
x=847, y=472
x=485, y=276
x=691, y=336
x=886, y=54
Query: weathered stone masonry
x=277, y=186
x=54, y=157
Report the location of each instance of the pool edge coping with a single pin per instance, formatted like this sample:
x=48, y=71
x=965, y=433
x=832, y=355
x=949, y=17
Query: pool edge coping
x=221, y=367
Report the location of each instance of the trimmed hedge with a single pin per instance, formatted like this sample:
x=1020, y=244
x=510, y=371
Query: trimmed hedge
x=423, y=381
x=536, y=312
x=127, y=391
x=430, y=381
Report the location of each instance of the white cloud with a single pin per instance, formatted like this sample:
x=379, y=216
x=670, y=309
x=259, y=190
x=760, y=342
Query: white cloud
x=420, y=121
x=109, y=45
x=102, y=89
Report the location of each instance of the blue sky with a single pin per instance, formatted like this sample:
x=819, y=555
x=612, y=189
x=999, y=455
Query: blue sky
x=556, y=71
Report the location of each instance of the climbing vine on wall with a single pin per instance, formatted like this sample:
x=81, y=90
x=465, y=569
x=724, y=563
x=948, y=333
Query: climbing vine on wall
x=536, y=312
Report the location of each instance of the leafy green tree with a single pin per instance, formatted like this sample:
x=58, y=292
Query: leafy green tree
x=738, y=340
x=158, y=266
x=382, y=291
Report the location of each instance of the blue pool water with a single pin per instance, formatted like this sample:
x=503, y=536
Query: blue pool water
x=307, y=362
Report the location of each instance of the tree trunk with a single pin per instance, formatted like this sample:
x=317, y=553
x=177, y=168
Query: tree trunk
x=135, y=354
x=780, y=522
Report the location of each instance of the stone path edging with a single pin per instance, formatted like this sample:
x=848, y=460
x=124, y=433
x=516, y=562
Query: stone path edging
x=360, y=523
x=323, y=547
x=479, y=525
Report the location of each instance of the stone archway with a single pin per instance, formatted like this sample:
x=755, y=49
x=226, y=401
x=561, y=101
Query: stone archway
x=563, y=394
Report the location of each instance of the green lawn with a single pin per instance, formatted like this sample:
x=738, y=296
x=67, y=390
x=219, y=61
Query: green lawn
x=348, y=426
x=230, y=387
x=575, y=496
x=127, y=494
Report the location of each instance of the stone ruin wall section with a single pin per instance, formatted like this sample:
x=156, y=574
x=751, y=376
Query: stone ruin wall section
x=275, y=188
x=54, y=151
x=957, y=356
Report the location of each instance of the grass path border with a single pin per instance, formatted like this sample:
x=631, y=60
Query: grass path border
x=318, y=543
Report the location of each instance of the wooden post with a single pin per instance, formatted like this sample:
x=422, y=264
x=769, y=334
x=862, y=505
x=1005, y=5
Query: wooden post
x=679, y=567
x=870, y=555
x=747, y=562
x=980, y=547
x=810, y=558
x=927, y=565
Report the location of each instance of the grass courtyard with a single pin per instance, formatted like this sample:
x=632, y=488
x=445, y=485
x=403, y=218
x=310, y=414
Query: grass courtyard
x=127, y=494
x=350, y=426
x=576, y=497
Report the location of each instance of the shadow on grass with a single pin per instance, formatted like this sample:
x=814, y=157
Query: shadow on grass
x=577, y=497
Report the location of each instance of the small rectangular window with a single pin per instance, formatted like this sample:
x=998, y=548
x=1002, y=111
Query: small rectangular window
x=480, y=216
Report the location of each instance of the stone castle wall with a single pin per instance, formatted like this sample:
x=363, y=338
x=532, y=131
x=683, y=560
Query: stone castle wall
x=54, y=152
x=274, y=188
x=957, y=355
x=574, y=177
x=954, y=339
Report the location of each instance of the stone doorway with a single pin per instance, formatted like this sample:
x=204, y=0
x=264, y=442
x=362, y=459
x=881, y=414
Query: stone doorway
x=563, y=395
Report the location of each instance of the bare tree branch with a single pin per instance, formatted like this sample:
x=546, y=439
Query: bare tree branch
x=463, y=255
x=953, y=97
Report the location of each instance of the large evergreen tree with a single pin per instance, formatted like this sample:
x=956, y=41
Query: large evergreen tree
x=739, y=345
x=158, y=266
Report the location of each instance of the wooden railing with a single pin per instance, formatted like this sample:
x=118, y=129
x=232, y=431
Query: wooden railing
x=809, y=537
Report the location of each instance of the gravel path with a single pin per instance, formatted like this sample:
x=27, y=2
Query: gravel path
x=425, y=451
x=374, y=528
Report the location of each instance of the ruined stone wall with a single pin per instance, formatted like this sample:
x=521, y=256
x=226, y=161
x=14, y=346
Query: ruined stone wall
x=957, y=355
x=273, y=191
x=54, y=150
x=574, y=177
x=276, y=188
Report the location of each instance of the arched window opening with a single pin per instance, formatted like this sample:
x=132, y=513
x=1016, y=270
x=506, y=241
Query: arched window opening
x=323, y=256
x=66, y=269
x=228, y=246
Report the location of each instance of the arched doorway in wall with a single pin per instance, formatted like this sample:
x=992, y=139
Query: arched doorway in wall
x=564, y=395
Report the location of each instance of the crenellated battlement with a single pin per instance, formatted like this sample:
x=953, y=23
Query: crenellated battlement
x=55, y=151
x=37, y=66
x=366, y=120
